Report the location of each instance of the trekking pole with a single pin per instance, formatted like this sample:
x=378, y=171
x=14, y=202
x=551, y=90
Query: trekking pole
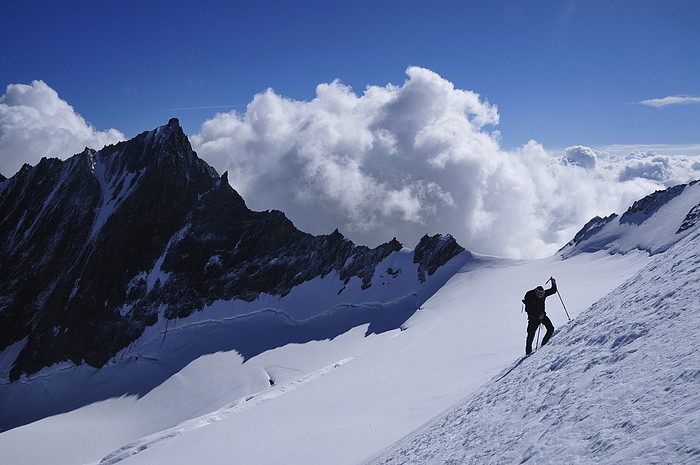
x=561, y=300
x=537, y=344
x=562, y=304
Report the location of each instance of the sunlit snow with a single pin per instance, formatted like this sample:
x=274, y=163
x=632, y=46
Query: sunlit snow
x=617, y=384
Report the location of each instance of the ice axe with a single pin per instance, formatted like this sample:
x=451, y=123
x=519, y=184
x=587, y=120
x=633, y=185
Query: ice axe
x=562, y=300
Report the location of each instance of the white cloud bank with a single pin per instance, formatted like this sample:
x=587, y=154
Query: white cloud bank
x=36, y=122
x=422, y=157
x=419, y=158
x=670, y=100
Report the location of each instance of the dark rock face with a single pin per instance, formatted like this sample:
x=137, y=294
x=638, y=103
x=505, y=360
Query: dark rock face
x=642, y=209
x=94, y=247
x=433, y=252
x=692, y=218
x=590, y=229
x=74, y=232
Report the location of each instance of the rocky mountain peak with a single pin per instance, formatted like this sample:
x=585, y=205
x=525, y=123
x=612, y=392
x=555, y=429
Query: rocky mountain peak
x=169, y=139
x=99, y=247
x=24, y=170
x=433, y=252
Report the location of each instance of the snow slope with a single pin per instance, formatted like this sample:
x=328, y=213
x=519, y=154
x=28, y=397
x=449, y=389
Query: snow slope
x=621, y=384
x=319, y=309
x=654, y=223
x=335, y=401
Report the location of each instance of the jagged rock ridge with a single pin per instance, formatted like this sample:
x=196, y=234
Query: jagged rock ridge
x=644, y=208
x=95, y=247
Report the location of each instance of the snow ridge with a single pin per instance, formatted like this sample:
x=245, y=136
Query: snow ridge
x=564, y=404
x=647, y=225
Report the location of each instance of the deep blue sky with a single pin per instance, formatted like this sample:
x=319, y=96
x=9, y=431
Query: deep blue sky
x=562, y=72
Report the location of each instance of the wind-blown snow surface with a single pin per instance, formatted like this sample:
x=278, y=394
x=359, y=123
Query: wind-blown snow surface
x=621, y=384
x=338, y=401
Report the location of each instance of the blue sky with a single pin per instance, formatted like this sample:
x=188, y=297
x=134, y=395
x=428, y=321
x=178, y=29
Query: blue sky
x=561, y=72
x=508, y=124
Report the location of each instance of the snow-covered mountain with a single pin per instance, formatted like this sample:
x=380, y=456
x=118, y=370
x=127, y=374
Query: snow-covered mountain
x=113, y=259
x=365, y=375
x=647, y=225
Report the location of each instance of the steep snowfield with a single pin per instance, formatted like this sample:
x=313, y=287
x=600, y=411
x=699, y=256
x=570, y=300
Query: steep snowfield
x=337, y=401
x=621, y=384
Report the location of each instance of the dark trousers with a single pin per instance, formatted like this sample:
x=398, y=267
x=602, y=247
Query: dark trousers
x=532, y=325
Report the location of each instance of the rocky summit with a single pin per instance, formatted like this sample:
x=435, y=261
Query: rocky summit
x=96, y=248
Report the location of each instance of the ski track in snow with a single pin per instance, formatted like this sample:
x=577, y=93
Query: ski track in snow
x=205, y=420
x=619, y=384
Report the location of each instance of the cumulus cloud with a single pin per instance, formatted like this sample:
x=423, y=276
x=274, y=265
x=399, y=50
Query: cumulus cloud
x=670, y=100
x=585, y=157
x=664, y=169
x=656, y=169
x=405, y=160
x=36, y=122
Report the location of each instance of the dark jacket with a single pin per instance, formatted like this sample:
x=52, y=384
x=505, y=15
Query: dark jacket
x=534, y=306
